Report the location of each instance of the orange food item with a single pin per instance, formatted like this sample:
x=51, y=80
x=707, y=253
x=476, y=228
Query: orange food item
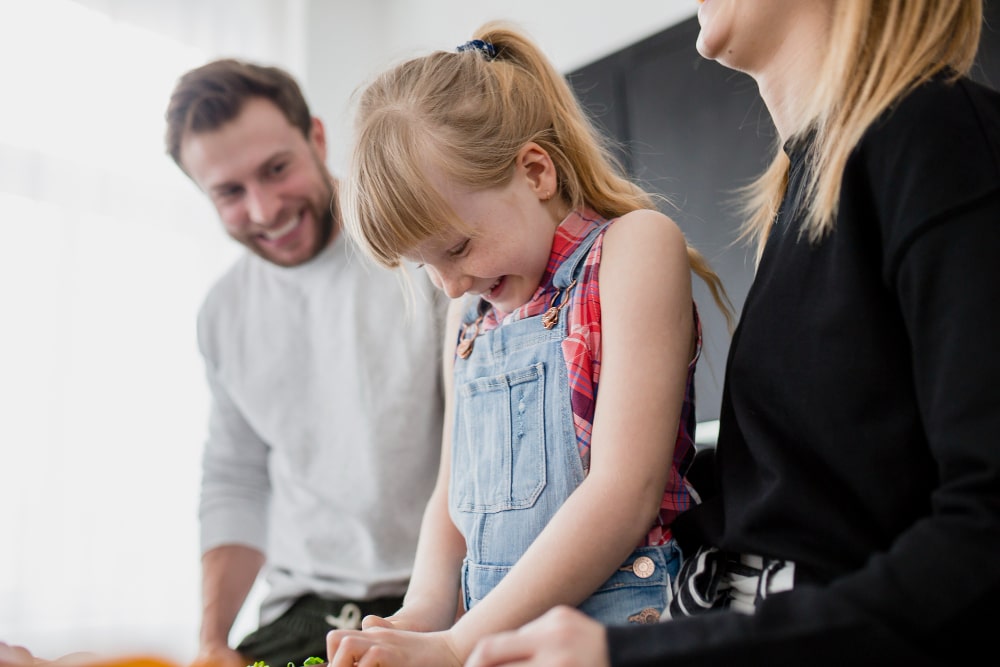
x=128, y=661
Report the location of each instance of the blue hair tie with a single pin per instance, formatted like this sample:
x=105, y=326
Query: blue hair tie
x=485, y=48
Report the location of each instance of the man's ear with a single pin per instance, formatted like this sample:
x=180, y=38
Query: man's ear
x=317, y=136
x=535, y=164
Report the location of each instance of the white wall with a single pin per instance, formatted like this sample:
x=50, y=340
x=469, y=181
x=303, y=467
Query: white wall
x=110, y=255
x=108, y=251
x=350, y=41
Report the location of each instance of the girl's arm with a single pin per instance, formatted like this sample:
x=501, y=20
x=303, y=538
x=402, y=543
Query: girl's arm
x=432, y=597
x=647, y=344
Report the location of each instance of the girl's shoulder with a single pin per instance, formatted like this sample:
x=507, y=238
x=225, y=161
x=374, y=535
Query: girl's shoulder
x=644, y=256
x=642, y=232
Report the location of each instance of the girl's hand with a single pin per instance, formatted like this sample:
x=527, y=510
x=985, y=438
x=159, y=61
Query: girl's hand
x=411, y=618
x=394, y=622
x=380, y=646
x=563, y=636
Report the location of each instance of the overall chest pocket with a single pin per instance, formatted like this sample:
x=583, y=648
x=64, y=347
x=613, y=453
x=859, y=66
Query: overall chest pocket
x=498, y=449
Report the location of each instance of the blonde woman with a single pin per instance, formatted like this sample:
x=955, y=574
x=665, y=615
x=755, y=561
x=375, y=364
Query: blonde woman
x=859, y=515
x=571, y=350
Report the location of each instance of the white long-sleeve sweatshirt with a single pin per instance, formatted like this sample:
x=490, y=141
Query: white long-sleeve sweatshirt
x=325, y=424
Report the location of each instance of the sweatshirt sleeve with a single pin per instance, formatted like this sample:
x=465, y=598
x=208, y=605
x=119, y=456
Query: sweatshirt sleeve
x=235, y=486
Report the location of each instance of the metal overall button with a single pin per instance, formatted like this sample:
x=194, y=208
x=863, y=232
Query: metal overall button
x=645, y=617
x=551, y=316
x=642, y=567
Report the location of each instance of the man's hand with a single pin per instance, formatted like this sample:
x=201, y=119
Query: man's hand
x=219, y=656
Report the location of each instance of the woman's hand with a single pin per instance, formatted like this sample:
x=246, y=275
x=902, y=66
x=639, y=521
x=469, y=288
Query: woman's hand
x=563, y=637
x=380, y=646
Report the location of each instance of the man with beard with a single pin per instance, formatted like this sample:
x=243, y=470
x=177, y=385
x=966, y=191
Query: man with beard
x=326, y=413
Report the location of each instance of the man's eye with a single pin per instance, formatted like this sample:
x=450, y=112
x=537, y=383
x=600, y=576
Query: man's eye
x=228, y=194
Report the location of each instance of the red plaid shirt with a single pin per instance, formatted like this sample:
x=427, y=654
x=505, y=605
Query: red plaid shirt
x=582, y=352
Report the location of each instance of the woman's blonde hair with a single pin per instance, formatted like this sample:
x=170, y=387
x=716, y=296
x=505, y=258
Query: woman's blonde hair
x=878, y=51
x=468, y=113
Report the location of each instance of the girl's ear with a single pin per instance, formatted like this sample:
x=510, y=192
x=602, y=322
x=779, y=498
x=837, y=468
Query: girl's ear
x=536, y=166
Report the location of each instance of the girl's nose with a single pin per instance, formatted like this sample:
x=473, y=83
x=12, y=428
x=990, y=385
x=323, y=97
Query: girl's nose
x=453, y=283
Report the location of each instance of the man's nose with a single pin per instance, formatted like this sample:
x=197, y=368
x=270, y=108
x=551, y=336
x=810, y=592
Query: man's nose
x=262, y=205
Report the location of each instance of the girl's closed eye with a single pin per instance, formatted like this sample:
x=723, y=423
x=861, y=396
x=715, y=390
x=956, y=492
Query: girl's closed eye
x=460, y=249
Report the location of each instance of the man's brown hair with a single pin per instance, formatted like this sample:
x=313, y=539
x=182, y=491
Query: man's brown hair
x=212, y=95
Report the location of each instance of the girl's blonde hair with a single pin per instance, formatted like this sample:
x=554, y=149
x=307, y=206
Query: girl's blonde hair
x=878, y=51
x=468, y=113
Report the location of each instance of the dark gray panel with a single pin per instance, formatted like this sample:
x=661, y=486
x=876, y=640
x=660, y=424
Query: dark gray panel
x=694, y=132
x=699, y=132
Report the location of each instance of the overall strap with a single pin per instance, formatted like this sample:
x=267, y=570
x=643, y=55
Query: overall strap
x=570, y=269
x=565, y=277
x=567, y=274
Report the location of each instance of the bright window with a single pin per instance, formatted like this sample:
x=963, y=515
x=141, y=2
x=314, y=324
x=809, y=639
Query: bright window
x=107, y=251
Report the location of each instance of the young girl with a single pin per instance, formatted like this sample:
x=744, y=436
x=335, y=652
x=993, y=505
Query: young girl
x=857, y=454
x=571, y=360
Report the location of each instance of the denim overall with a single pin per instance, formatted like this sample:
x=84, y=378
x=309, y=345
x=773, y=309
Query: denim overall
x=515, y=461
